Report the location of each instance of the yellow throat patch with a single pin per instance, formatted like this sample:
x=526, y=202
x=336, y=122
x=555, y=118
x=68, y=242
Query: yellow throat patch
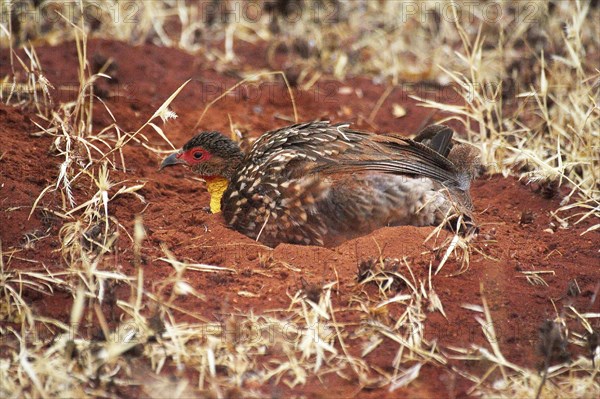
x=216, y=187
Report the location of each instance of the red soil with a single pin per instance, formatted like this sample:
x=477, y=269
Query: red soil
x=143, y=77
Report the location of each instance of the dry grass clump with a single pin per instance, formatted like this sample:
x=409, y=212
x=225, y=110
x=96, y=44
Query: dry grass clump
x=26, y=85
x=398, y=318
x=14, y=308
x=47, y=357
x=559, y=374
x=241, y=352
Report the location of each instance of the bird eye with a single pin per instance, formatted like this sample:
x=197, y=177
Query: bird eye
x=197, y=155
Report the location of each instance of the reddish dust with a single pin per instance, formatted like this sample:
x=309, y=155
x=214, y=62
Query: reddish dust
x=514, y=219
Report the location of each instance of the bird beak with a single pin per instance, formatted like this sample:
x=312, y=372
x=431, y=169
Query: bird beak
x=171, y=160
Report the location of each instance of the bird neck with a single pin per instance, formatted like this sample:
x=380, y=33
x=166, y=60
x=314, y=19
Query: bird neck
x=216, y=186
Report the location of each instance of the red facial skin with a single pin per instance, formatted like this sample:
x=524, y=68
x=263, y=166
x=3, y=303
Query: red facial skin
x=195, y=156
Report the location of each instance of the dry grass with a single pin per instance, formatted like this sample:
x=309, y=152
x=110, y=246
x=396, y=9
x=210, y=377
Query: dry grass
x=562, y=378
x=400, y=318
x=537, y=118
x=540, y=121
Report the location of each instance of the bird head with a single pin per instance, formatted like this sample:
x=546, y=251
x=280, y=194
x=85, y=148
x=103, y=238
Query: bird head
x=208, y=154
x=212, y=156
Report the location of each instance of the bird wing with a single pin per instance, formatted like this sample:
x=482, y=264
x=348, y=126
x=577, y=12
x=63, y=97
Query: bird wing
x=328, y=148
x=394, y=155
